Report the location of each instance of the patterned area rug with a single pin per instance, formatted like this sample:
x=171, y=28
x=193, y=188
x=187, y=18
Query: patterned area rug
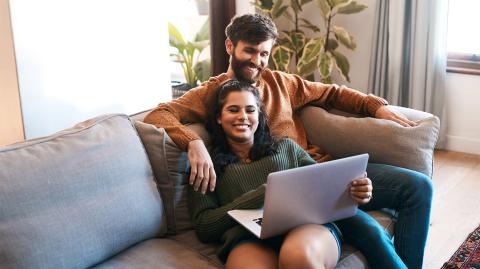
x=468, y=254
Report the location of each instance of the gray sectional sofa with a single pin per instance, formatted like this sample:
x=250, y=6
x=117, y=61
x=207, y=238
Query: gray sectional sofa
x=110, y=192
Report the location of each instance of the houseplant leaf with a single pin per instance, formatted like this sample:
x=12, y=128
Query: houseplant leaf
x=202, y=69
x=298, y=40
x=295, y=5
x=309, y=25
x=175, y=38
x=332, y=44
x=264, y=4
x=204, y=32
x=311, y=50
x=306, y=68
x=342, y=64
x=352, y=7
x=325, y=65
x=276, y=8
x=335, y=3
x=303, y=2
x=324, y=7
x=281, y=57
x=344, y=37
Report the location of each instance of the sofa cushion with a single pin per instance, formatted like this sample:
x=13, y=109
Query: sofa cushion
x=77, y=197
x=386, y=141
x=158, y=253
x=171, y=168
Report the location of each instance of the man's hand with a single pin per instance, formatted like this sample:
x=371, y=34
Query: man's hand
x=387, y=113
x=202, y=173
x=361, y=190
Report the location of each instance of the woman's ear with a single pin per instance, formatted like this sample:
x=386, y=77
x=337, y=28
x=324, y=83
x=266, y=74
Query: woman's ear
x=219, y=121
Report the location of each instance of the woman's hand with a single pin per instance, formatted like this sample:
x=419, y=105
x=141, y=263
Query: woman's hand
x=361, y=190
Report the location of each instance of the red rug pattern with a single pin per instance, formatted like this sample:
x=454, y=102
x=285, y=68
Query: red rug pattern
x=468, y=254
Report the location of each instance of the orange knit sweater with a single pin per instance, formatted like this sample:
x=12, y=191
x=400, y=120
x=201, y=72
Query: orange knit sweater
x=283, y=95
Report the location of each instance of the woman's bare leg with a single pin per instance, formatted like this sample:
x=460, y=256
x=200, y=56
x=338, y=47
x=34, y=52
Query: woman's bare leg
x=252, y=255
x=309, y=246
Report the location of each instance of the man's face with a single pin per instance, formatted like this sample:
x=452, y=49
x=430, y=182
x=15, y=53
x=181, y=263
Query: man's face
x=249, y=60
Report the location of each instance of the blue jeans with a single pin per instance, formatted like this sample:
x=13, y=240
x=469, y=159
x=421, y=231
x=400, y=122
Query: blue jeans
x=410, y=194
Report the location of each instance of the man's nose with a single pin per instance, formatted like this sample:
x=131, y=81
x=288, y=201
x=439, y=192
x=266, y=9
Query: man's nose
x=256, y=59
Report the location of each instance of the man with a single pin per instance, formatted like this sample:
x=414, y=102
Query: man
x=249, y=42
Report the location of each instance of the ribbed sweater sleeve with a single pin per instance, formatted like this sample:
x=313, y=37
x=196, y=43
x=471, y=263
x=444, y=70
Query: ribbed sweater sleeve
x=211, y=220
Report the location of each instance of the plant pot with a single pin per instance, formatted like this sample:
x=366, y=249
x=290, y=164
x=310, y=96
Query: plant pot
x=179, y=89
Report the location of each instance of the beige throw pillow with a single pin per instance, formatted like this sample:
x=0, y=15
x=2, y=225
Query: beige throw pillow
x=386, y=142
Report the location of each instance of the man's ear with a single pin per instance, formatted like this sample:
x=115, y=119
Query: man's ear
x=229, y=46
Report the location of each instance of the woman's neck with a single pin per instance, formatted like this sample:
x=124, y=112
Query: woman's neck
x=242, y=150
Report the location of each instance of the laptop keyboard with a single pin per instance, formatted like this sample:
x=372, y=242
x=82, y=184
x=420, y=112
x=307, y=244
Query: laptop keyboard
x=258, y=221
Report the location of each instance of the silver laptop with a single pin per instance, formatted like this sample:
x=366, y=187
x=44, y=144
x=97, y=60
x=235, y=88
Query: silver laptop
x=313, y=194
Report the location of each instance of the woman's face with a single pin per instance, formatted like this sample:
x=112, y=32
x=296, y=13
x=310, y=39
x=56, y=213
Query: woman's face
x=239, y=117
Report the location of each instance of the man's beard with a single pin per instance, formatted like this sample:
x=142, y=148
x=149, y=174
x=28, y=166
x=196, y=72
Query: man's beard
x=238, y=65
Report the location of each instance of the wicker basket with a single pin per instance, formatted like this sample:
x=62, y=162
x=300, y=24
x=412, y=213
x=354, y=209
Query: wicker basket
x=179, y=89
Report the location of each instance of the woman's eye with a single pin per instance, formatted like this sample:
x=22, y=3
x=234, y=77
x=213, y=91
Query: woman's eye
x=251, y=110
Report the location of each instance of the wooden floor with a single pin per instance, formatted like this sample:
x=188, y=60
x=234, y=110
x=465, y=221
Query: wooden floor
x=456, y=205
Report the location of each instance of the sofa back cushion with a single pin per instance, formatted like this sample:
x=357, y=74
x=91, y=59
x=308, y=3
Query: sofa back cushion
x=171, y=168
x=73, y=199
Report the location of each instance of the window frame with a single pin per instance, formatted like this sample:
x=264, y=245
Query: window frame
x=463, y=63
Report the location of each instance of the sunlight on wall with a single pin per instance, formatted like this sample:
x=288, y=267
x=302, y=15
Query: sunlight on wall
x=80, y=58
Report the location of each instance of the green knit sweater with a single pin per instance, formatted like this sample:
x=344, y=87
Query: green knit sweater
x=240, y=186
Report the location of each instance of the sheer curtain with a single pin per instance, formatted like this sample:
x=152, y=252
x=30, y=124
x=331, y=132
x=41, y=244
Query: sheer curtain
x=408, y=60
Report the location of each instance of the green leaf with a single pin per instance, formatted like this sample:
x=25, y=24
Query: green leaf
x=335, y=3
x=306, y=68
x=276, y=7
x=309, y=25
x=199, y=45
x=204, y=32
x=281, y=57
x=352, y=7
x=303, y=2
x=344, y=37
x=298, y=41
x=280, y=12
x=332, y=44
x=175, y=38
x=202, y=69
x=265, y=4
x=311, y=50
x=342, y=64
x=325, y=65
x=324, y=7
x=295, y=5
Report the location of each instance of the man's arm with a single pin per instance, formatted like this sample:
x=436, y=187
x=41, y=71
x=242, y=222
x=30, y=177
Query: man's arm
x=192, y=107
x=342, y=98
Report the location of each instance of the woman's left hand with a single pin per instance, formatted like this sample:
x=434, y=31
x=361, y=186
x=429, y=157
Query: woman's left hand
x=361, y=190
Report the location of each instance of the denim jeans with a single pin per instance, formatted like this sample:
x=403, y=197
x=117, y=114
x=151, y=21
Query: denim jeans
x=410, y=194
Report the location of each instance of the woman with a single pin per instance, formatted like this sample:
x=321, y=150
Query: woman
x=244, y=153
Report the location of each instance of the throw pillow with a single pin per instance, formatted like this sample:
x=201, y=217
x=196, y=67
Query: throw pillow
x=386, y=141
x=171, y=168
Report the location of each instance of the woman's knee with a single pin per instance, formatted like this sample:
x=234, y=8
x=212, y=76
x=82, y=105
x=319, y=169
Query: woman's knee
x=309, y=246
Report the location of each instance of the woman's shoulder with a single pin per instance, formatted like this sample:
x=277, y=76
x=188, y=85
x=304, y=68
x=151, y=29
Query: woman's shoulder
x=287, y=144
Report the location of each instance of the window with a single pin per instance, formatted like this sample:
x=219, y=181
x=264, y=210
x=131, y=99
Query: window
x=463, y=40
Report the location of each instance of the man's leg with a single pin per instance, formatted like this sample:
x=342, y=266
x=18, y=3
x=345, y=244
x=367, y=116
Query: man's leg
x=410, y=193
x=365, y=233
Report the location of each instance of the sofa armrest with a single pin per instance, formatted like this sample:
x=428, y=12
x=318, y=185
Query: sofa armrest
x=341, y=134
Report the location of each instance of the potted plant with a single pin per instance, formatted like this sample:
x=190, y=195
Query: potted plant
x=303, y=54
x=187, y=54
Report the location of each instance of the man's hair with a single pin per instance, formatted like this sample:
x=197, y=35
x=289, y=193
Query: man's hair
x=263, y=142
x=251, y=28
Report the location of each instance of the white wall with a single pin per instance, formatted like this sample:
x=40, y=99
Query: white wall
x=80, y=58
x=463, y=110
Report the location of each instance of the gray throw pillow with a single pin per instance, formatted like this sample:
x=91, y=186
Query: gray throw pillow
x=78, y=197
x=386, y=142
x=171, y=168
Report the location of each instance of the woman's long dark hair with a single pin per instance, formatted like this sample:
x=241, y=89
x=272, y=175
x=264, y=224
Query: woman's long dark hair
x=263, y=142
